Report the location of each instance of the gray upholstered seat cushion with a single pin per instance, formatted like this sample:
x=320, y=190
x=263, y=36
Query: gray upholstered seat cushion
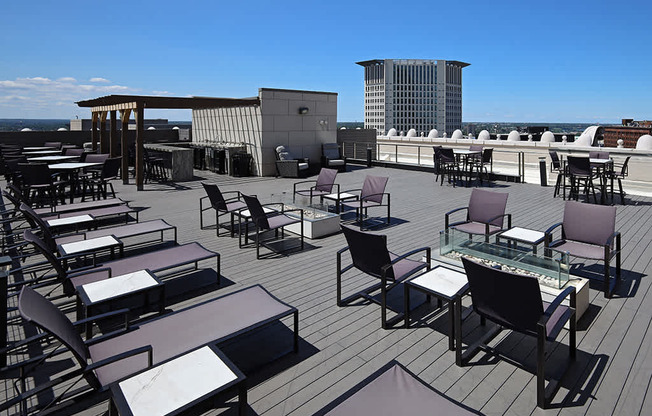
x=404, y=267
x=476, y=228
x=154, y=261
x=396, y=392
x=183, y=331
x=575, y=248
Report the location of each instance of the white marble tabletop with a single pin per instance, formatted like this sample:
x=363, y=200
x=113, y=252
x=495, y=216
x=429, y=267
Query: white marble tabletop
x=70, y=220
x=442, y=281
x=343, y=195
x=118, y=285
x=466, y=152
x=169, y=386
x=89, y=245
x=523, y=234
x=55, y=158
x=246, y=214
x=73, y=165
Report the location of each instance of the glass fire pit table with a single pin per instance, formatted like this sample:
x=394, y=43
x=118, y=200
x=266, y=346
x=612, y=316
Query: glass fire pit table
x=550, y=268
x=317, y=221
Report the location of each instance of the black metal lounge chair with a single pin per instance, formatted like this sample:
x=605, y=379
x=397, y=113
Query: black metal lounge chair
x=268, y=221
x=220, y=205
x=322, y=186
x=14, y=195
x=394, y=390
x=369, y=254
x=580, y=172
x=331, y=157
x=371, y=195
x=102, y=181
x=111, y=358
x=484, y=216
x=155, y=261
x=514, y=302
x=589, y=232
x=52, y=238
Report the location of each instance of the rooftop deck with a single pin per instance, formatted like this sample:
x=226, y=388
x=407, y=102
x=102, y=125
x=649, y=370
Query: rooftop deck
x=341, y=346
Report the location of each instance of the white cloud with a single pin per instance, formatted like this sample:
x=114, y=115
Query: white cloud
x=48, y=98
x=99, y=79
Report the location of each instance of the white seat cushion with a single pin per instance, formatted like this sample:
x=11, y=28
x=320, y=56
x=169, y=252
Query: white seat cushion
x=303, y=166
x=335, y=162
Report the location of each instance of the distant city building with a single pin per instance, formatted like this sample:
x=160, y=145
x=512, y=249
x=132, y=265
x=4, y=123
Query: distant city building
x=629, y=132
x=420, y=94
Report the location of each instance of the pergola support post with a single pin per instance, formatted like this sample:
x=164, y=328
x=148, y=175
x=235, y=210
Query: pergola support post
x=114, y=149
x=94, y=136
x=104, y=142
x=140, y=138
x=124, y=116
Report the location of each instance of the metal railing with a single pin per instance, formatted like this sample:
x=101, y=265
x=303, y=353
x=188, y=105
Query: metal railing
x=507, y=162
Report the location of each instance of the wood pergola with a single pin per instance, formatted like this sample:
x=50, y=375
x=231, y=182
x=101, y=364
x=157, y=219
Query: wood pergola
x=102, y=107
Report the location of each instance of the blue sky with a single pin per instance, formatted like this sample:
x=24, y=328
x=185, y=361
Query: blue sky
x=552, y=61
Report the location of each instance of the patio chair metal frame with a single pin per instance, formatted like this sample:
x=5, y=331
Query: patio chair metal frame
x=369, y=197
x=577, y=236
x=323, y=185
x=221, y=206
x=261, y=221
x=370, y=255
x=481, y=215
x=513, y=302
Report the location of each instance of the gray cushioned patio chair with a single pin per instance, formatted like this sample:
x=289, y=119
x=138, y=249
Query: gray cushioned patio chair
x=289, y=166
x=268, y=221
x=589, y=232
x=331, y=157
x=485, y=214
x=514, y=302
x=121, y=354
x=221, y=205
x=371, y=195
x=392, y=391
x=155, y=261
x=369, y=254
x=322, y=186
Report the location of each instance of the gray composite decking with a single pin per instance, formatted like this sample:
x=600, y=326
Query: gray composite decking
x=340, y=347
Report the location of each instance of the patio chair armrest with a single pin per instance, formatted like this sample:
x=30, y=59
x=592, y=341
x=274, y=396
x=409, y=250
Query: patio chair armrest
x=303, y=182
x=88, y=271
x=447, y=215
x=352, y=190
x=509, y=220
x=233, y=198
x=106, y=315
x=557, y=302
x=136, y=351
x=610, y=240
x=339, y=260
x=363, y=198
x=548, y=233
x=403, y=256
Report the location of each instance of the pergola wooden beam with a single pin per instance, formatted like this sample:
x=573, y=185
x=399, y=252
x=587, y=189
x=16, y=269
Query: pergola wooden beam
x=137, y=104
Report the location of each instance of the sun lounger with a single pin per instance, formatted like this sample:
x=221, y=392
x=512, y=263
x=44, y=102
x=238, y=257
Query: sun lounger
x=107, y=360
x=396, y=391
x=155, y=261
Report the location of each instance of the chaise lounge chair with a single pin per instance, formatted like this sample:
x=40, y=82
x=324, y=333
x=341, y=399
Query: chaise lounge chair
x=394, y=390
x=118, y=356
x=155, y=261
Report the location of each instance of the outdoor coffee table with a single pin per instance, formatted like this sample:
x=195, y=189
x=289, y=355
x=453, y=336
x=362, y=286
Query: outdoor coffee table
x=338, y=198
x=101, y=293
x=77, y=220
x=91, y=246
x=179, y=384
x=523, y=235
x=446, y=285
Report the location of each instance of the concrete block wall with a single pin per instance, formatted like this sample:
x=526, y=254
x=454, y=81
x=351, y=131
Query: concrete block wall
x=282, y=124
